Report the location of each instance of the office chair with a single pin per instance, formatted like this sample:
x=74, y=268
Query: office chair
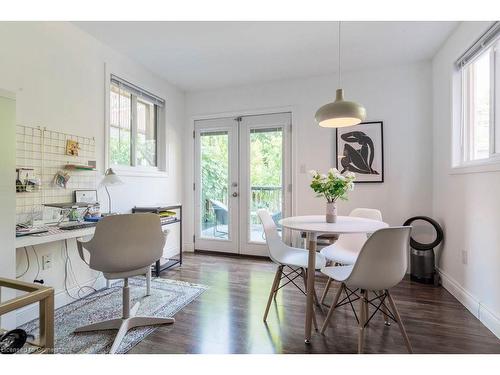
x=124, y=246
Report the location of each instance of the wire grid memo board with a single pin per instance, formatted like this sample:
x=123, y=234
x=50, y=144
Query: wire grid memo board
x=43, y=153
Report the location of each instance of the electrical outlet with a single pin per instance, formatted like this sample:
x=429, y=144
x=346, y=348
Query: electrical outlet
x=46, y=261
x=465, y=257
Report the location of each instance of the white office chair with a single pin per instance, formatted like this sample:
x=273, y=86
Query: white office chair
x=283, y=255
x=124, y=246
x=346, y=249
x=381, y=264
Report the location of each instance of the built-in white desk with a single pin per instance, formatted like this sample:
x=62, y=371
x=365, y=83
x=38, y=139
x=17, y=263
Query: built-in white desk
x=55, y=234
x=52, y=236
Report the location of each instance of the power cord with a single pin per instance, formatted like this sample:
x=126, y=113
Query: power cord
x=36, y=280
x=27, y=264
x=69, y=271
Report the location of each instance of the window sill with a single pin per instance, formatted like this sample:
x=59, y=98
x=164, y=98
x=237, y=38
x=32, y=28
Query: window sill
x=480, y=166
x=131, y=172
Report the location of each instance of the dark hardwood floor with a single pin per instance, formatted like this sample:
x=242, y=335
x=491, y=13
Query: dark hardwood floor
x=227, y=318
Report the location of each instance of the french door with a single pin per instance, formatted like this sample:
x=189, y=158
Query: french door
x=241, y=165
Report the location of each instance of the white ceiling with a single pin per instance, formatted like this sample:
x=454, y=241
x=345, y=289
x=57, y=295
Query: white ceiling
x=205, y=55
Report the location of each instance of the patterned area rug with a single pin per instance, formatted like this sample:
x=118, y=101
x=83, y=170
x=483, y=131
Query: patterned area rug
x=167, y=298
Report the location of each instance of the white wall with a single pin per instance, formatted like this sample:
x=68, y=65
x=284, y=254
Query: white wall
x=398, y=95
x=7, y=198
x=468, y=205
x=57, y=72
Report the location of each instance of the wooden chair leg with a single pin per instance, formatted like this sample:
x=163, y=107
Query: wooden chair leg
x=400, y=323
x=362, y=320
x=325, y=292
x=334, y=305
x=280, y=268
x=316, y=300
x=384, y=308
x=272, y=293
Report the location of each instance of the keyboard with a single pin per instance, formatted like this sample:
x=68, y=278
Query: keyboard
x=74, y=226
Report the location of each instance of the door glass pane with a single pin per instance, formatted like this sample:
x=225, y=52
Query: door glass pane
x=214, y=166
x=266, y=173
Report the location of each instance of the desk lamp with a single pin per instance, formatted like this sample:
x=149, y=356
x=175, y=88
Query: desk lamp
x=110, y=178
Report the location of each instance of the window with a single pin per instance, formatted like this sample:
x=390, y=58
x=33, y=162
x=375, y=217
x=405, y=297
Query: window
x=479, y=70
x=133, y=125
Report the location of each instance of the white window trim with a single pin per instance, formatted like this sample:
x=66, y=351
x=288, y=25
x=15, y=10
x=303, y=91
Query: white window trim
x=458, y=164
x=161, y=170
x=491, y=164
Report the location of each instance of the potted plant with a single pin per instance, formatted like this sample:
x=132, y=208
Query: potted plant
x=332, y=186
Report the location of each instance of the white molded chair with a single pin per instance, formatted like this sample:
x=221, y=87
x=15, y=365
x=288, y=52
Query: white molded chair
x=346, y=249
x=381, y=264
x=367, y=213
x=124, y=246
x=286, y=256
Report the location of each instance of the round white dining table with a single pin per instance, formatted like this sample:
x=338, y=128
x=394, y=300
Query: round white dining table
x=315, y=226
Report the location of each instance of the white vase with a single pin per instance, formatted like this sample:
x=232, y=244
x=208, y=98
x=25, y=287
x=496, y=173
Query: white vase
x=331, y=212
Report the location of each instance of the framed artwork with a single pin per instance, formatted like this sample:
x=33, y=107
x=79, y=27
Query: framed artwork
x=86, y=196
x=72, y=147
x=360, y=149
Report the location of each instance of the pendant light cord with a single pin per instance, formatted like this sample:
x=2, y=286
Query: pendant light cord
x=340, y=64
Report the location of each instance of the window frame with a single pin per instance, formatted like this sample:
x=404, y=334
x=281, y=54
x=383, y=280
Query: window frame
x=461, y=144
x=160, y=170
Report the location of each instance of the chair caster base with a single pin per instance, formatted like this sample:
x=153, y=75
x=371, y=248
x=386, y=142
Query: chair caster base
x=307, y=342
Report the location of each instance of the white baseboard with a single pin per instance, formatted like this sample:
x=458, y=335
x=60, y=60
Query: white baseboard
x=480, y=311
x=61, y=298
x=188, y=247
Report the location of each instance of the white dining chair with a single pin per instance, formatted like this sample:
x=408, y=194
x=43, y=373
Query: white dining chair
x=124, y=246
x=381, y=264
x=292, y=262
x=346, y=249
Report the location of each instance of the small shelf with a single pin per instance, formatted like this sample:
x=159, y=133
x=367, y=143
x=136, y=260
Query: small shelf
x=167, y=222
x=29, y=192
x=164, y=264
x=79, y=167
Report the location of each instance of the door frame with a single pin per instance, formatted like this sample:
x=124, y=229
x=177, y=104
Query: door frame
x=295, y=114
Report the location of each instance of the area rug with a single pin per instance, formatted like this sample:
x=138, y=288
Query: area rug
x=167, y=298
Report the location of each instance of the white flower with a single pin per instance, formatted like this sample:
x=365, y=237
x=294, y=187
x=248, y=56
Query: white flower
x=333, y=171
x=340, y=177
x=350, y=175
x=323, y=176
x=313, y=172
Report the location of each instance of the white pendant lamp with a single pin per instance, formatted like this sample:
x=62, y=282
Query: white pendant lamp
x=341, y=112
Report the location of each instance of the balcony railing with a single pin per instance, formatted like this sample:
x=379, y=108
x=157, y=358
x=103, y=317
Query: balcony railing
x=268, y=197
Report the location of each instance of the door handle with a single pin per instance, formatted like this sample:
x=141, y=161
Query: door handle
x=235, y=194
